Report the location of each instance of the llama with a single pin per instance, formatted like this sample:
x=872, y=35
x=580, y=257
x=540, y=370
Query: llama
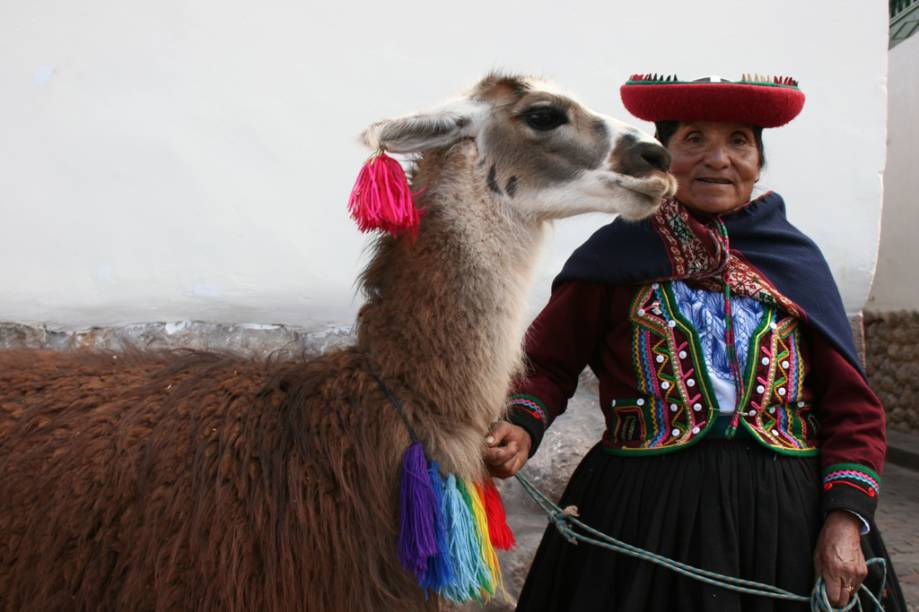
x=203, y=481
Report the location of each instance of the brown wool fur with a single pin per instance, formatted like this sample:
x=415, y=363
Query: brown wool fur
x=202, y=481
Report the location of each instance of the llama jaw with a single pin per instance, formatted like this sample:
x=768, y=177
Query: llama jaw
x=659, y=185
x=644, y=194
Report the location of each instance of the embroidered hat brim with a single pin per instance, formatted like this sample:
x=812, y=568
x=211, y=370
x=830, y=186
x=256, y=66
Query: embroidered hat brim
x=765, y=104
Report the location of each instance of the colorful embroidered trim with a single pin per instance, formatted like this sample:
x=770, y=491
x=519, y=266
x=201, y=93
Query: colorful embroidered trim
x=676, y=402
x=531, y=405
x=705, y=257
x=670, y=374
x=654, y=78
x=858, y=476
x=772, y=408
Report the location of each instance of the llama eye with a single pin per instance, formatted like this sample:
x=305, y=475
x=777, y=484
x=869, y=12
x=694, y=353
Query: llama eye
x=545, y=118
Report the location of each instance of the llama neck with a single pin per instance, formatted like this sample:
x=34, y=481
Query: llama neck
x=445, y=315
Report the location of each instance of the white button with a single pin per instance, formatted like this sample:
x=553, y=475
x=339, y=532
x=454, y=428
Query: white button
x=659, y=359
x=772, y=325
x=673, y=407
x=682, y=354
x=690, y=382
x=641, y=312
x=655, y=285
x=760, y=388
x=697, y=407
x=785, y=365
x=640, y=402
x=771, y=409
x=613, y=403
x=675, y=432
x=751, y=413
x=781, y=390
x=775, y=432
x=665, y=385
x=800, y=404
x=671, y=323
x=765, y=361
x=695, y=430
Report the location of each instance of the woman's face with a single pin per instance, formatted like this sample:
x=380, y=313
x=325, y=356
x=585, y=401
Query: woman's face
x=715, y=163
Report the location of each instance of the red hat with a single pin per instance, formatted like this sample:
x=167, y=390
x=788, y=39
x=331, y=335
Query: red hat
x=753, y=100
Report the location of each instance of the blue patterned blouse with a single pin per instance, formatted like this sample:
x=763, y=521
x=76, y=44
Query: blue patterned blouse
x=705, y=310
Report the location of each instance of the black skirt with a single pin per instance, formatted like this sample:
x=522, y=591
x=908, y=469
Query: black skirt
x=730, y=506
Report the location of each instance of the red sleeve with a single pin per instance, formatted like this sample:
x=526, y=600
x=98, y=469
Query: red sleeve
x=853, y=438
x=558, y=344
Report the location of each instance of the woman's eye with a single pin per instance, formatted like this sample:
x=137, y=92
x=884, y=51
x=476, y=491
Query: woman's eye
x=740, y=140
x=545, y=118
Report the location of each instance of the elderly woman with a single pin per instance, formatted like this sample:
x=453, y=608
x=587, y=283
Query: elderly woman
x=741, y=434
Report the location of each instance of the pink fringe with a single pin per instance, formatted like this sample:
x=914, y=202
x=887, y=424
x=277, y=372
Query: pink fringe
x=382, y=198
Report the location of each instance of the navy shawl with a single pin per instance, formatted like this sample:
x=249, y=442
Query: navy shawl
x=623, y=253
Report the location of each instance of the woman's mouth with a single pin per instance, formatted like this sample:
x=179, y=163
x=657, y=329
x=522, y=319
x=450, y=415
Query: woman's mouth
x=715, y=180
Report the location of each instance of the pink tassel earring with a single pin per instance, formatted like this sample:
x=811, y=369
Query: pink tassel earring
x=382, y=198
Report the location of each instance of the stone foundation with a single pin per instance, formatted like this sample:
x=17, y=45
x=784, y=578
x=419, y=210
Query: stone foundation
x=255, y=340
x=892, y=340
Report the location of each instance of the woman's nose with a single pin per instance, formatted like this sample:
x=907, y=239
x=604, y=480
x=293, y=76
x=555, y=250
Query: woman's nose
x=717, y=157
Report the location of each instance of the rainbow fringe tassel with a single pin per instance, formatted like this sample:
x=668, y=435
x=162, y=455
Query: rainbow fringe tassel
x=449, y=529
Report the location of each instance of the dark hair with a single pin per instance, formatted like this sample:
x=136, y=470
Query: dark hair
x=664, y=131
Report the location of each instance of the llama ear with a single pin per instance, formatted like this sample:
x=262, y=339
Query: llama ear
x=424, y=131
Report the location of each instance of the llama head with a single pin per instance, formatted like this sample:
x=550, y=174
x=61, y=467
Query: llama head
x=540, y=151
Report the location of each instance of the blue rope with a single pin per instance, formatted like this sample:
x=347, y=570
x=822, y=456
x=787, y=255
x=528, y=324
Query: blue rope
x=566, y=521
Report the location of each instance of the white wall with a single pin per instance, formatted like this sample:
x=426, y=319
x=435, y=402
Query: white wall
x=170, y=160
x=896, y=284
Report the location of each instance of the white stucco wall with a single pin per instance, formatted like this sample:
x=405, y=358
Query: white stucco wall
x=896, y=283
x=172, y=160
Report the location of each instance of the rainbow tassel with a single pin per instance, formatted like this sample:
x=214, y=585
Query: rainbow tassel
x=500, y=533
x=382, y=198
x=417, y=529
x=447, y=528
x=463, y=545
x=489, y=556
x=440, y=572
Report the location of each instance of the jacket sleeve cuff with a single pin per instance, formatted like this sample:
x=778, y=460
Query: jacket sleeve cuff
x=851, y=487
x=530, y=413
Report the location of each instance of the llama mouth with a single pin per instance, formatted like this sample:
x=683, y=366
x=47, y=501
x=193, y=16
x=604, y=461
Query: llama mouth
x=659, y=185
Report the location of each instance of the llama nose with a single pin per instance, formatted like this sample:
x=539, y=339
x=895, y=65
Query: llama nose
x=654, y=155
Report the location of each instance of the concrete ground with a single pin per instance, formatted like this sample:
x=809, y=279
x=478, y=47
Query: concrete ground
x=898, y=519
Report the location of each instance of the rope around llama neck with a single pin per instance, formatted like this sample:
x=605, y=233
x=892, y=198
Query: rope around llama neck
x=566, y=521
x=449, y=527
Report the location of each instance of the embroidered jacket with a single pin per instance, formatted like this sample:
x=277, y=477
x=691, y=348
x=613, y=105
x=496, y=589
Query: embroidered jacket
x=799, y=394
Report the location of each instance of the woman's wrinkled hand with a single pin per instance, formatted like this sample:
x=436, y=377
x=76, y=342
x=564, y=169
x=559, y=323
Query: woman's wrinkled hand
x=839, y=558
x=507, y=448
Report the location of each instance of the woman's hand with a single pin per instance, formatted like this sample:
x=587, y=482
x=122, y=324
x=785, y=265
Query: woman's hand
x=839, y=558
x=507, y=449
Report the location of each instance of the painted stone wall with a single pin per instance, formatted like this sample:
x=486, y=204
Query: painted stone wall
x=192, y=160
x=895, y=287
x=892, y=310
x=893, y=365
